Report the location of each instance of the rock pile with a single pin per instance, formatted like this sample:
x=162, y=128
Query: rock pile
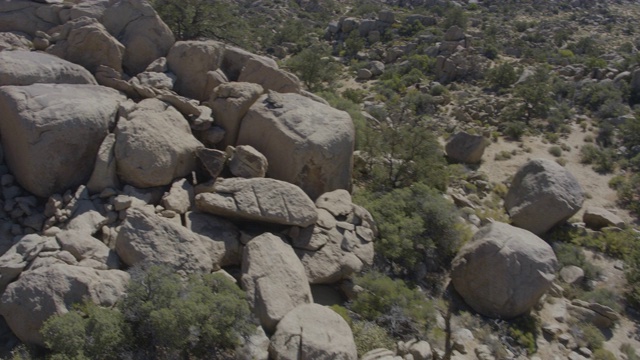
x=124, y=147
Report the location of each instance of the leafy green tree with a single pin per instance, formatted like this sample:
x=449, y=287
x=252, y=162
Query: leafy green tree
x=535, y=93
x=314, y=66
x=503, y=76
x=455, y=16
x=416, y=224
x=192, y=19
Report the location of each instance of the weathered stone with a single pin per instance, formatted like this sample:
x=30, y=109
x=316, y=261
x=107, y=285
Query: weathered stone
x=53, y=290
x=596, y=218
x=542, y=194
x=212, y=160
x=104, y=171
x=259, y=199
x=273, y=278
x=313, y=331
x=180, y=197
x=571, y=274
x=466, y=148
x=503, y=271
x=316, y=141
x=146, y=237
x=27, y=67
x=69, y=121
x=269, y=77
x=154, y=146
x=189, y=60
x=220, y=236
x=83, y=246
x=247, y=162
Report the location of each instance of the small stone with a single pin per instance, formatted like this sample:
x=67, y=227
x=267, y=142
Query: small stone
x=122, y=202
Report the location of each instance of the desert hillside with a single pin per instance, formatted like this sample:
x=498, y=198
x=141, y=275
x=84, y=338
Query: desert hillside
x=354, y=179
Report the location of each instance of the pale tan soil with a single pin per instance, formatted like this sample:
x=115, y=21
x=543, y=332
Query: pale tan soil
x=596, y=186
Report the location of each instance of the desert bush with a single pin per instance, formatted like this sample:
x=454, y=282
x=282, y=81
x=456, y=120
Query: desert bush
x=515, y=130
x=629, y=351
x=393, y=305
x=314, y=66
x=455, y=16
x=502, y=76
x=524, y=330
x=416, y=224
x=589, y=335
x=594, y=95
x=603, y=354
x=570, y=254
x=628, y=190
x=534, y=92
x=369, y=336
x=555, y=151
x=161, y=316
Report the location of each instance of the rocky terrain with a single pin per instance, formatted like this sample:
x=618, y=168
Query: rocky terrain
x=487, y=152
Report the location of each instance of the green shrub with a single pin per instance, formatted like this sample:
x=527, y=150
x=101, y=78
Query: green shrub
x=628, y=190
x=524, y=330
x=502, y=155
x=390, y=303
x=515, y=130
x=314, y=66
x=502, y=76
x=455, y=16
x=590, y=335
x=570, y=254
x=555, y=151
x=602, y=354
x=629, y=351
x=369, y=336
x=415, y=224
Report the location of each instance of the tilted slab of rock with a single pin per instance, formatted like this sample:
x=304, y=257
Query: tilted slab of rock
x=53, y=290
x=147, y=237
x=596, y=218
x=273, y=278
x=69, y=121
x=271, y=78
x=542, y=195
x=313, y=331
x=220, y=236
x=154, y=146
x=305, y=142
x=503, y=271
x=86, y=42
x=27, y=67
x=259, y=199
x=104, y=173
x=83, y=246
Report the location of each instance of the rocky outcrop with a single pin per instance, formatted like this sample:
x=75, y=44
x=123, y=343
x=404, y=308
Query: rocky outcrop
x=312, y=332
x=466, y=148
x=503, y=271
x=154, y=145
x=52, y=290
x=270, y=77
x=26, y=68
x=339, y=244
x=274, y=279
x=306, y=143
x=247, y=162
x=542, y=195
x=259, y=199
x=220, y=236
x=148, y=238
x=189, y=60
x=69, y=121
x=104, y=173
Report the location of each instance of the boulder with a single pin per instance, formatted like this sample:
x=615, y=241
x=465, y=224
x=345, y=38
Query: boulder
x=189, y=60
x=86, y=42
x=154, y=145
x=571, y=274
x=454, y=33
x=596, y=218
x=83, y=246
x=270, y=77
x=255, y=347
x=230, y=103
x=212, y=160
x=503, y=271
x=259, y=199
x=305, y=142
x=146, y=237
x=220, y=236
x=27, y=16
x=69, y=121
x=542, y=194
x=27, y=67
x=53, y=290
x=179, y=198
x=247, y=162
x=466, y=148
x=104, y=171
x=274, y=279
x=235, y=59
x=313, y=331
x=15, y=41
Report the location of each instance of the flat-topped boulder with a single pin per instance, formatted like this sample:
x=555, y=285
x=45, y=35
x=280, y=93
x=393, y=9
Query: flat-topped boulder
x=29, y=67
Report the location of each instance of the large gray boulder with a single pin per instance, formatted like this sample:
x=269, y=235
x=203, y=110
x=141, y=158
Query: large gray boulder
x=259, y=199
x=28, y=67
x=273, y=278
x=306, y=143
x=229, y=103
x=69, y=121
x=149, y=238
x=503, y=271
x=53, y=290
x=154, y=145
x=313, y=331
x=542, y=195
x=220, y=236
x=190, y=61
x=86, y=42
x=466, y=148
x=270, y=77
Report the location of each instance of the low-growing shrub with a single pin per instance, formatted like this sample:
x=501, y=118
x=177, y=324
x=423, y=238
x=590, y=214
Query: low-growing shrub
x=555, y=151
